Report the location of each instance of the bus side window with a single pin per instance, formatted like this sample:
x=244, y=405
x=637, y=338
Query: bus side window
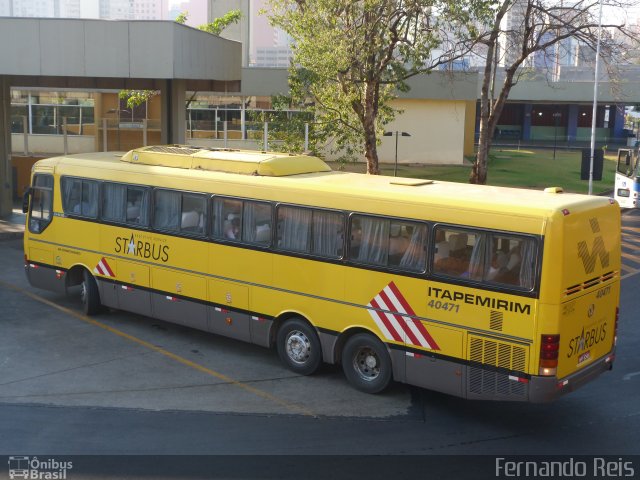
x=227, y=218
x=166, y=215
x=294, y=229
x=71, y=194
x=114, y=201
x=512, y=261
x=407, y=245
x=459, y=254
x=256, y=226
x=137, y=210
x=192, y=218
x=327, y=233
x=79, y=197
x=369, y=240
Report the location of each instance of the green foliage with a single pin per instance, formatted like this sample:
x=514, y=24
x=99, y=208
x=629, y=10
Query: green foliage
x=350, y=59
x=219, y=24
x=182, y=18
x=137, y=97
x=286, y=127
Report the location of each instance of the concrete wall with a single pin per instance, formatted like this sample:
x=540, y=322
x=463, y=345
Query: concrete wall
x=437, y=129
x=52, y=144
x=107, y=49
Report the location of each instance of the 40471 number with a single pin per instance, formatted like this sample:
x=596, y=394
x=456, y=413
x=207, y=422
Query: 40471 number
x=448, y=306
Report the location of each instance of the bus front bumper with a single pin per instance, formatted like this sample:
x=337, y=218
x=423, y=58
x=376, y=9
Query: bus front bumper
x=547, y=389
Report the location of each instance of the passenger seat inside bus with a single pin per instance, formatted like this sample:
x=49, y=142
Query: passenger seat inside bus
x=191, y=221
x=458, y=260
x=133, y=212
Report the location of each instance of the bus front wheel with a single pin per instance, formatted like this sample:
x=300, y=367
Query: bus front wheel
x=366, y=363
x=89, y=294
x=299, y=346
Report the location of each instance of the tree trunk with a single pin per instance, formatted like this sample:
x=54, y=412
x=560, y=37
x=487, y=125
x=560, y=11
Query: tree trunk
x=479, y=169
x=369, y=118
x=371, y=154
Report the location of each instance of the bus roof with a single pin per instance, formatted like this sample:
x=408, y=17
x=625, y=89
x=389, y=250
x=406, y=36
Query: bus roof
x=305, y=177
x=246, y=162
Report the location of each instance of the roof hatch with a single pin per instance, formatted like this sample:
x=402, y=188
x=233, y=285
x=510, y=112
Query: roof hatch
x=410, y=182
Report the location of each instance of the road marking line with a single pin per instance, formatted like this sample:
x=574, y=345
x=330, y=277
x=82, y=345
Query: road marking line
x=630, y=242
x=634, y=272
x=162, y=351
x=630, y=229
x=628, y=256
x=628, y=376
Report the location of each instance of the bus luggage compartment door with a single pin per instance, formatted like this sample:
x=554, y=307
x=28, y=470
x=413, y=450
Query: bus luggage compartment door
x=133, y=294
x=225, y=317
x=178, y=298
x=41, y=276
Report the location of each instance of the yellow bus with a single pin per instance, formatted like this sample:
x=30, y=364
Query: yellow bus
x=475, y=291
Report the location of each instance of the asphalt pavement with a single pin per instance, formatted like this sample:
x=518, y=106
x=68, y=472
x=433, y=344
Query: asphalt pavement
x=122, y=384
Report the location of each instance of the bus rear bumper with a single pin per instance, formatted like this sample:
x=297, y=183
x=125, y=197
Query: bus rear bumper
x=547, y=389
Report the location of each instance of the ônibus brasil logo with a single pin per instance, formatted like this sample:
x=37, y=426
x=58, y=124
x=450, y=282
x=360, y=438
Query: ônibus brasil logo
x=38, y=469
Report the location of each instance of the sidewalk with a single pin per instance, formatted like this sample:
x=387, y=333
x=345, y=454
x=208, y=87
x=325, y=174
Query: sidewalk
x=12, y=227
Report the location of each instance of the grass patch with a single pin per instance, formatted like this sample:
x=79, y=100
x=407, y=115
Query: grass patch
x=535, y=169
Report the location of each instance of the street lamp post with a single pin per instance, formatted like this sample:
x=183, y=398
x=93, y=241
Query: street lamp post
x=556, y=118
x=397, y=133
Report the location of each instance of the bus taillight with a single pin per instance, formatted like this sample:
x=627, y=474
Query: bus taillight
x=549, y=350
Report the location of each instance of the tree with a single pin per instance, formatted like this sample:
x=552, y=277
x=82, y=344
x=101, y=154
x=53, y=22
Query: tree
x=350, y=59
x=513, y=32
x=138, y=97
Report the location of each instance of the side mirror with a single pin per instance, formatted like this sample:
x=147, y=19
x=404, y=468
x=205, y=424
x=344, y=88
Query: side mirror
x=25, y=199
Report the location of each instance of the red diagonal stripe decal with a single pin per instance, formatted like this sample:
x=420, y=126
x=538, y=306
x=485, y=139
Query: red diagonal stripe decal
x=383, y=318
x=107, y=267
x=425, y=333
x=399, y=318
x=401, y=299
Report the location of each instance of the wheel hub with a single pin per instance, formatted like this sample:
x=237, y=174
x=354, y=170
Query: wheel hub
x=298, y=346
x=366, y=364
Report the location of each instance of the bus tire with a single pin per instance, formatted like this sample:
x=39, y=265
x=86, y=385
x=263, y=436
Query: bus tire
x=366, y=363
x=299, y=346
x=89, y=294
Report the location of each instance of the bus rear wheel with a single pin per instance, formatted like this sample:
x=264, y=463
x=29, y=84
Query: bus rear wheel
x=89, y=294
x=366, y=363
x=299, y=346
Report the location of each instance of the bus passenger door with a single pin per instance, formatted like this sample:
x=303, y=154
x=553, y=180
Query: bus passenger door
x=133, y=293
x=40, y=265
